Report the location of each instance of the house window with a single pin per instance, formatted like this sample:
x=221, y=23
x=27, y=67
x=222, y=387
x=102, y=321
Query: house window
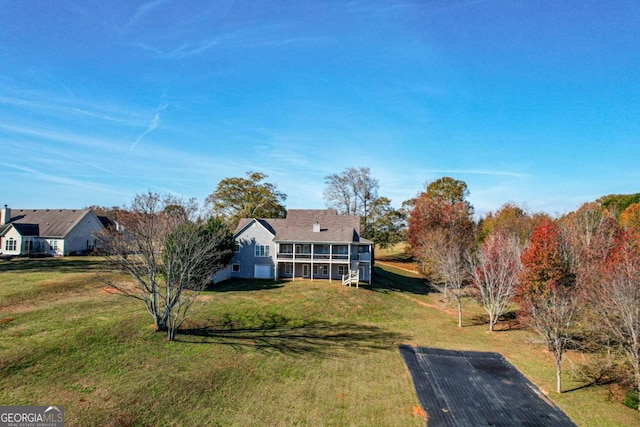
x=342, y=270
x=320, y=269
x=262, y=250
x=235, y=268
x=341, y=250
x=10, y=245
x=286, y=249
x=321, y=249
x=28, y=245
x=54, y=246
x=236, y=246
x=288, y=268
x=303, y=249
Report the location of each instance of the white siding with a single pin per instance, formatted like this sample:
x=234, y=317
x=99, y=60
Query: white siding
x=11, y=234
x=82, y=238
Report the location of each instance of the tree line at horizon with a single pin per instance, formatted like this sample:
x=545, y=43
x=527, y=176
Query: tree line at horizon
x=575, y=278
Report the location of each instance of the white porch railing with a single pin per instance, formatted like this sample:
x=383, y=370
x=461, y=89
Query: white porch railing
x=351, y=278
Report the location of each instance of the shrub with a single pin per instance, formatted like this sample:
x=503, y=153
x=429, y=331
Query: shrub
x=631, y=399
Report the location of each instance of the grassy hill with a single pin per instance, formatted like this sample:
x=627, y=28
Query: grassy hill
x=252, y=353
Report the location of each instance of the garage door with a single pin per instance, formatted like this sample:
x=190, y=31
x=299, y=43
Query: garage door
x=262, y=272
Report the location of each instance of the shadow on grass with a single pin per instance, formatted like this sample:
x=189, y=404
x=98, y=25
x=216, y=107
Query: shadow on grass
x=507, y=322
x=388, y=280
x=232, y=285
x=273, y=332
x=53, y=264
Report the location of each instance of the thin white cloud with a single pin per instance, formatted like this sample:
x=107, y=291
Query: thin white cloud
x=182, y=51
x=144, y=9
x=155, y=122
x=65, y=137
x=56, y=179
x=54, y=106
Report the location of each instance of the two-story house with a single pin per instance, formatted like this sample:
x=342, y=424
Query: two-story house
x=313, y=244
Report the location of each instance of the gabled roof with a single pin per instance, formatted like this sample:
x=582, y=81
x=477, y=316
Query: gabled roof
x=49, y=222
x=244, y=223
x=298, y=226
x=27, y=229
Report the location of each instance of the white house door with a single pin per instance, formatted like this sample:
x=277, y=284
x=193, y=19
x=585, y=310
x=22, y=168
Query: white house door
x=305, y=270
x=364, y=273
x=262, y=272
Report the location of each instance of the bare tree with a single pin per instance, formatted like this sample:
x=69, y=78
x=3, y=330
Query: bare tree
x=171, y=255
x=495, y=272
x=351, y=193
x=615, y=298
x=452, y=264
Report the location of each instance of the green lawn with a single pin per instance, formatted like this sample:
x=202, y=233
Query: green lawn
x=253, y=353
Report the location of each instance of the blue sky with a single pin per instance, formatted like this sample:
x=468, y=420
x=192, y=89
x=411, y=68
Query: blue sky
x=533, y=102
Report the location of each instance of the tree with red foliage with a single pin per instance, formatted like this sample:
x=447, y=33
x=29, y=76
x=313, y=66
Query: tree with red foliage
x=547, y=292
x=615, y=298
x=441, y=234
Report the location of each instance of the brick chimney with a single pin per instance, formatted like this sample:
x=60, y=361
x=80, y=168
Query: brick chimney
x=316, y=227
x=5, y=215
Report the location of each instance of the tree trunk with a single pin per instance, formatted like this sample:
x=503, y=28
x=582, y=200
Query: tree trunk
x=171, y=333
x=559, y=376
x=460, y=314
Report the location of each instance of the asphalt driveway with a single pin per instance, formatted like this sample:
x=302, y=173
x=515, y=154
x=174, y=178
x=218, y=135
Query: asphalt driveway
x=467, y=388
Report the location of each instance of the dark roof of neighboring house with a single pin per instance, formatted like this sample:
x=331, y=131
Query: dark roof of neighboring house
x=27, y=229
x=298, y=226
x=106, y=221
x=50, y=222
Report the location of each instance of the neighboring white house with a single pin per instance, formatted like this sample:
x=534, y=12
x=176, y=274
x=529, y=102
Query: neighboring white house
x=47, y=231
x=314, y=244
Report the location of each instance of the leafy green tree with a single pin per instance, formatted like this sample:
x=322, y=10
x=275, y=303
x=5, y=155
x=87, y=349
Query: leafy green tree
x=236, y=198
x=449, y=190
x=510, y=220
x=388, y=225
x=617, y=203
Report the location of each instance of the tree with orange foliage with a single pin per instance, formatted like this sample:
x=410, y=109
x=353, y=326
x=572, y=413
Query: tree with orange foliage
x=510, y=220
x=630, y=218
x=441, y=234
x=547, y=292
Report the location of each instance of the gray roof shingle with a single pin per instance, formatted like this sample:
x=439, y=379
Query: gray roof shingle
x=50, y=222
x=298, y=226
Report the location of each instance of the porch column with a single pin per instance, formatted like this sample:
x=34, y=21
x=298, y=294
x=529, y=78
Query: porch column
x=330, y=261
x=312, y=254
